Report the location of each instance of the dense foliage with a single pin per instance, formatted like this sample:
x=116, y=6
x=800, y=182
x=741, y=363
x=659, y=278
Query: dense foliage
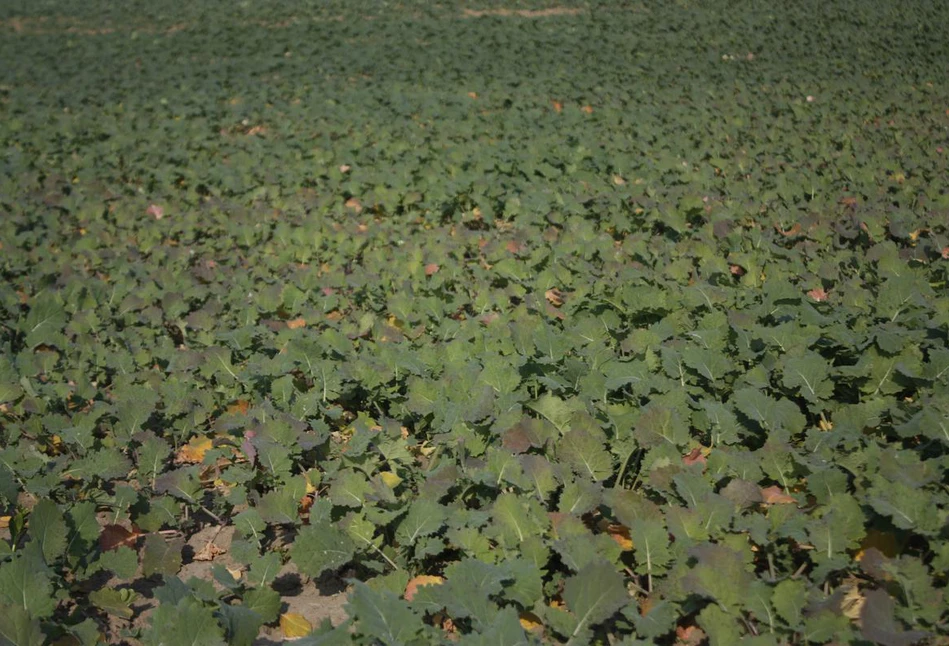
x=596, y=323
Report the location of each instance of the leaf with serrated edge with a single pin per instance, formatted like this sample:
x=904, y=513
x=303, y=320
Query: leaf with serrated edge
x=321, y=548
x=594, y=594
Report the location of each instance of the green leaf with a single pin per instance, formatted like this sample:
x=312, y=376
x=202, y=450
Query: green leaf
x=594, y=595
x=658, y=424
x=722, y=627
x=810, y=374
x=771, y=414
x=907, y=507
x=265, y=601
x=241, y=624
x=722, y=573
x=319, y=548
x=584, y=452
x=838, y=528
x=116, y=602
x=470, y=584
x=651, y=545
x=18, y=627
x=789, y=599
x=160, y=556
x=123, y=562
x=517, y=519
x=25, y=583
x=382, y=616
x=425, y=517
x=150, y=458
x=556, y=410
x=44, y=323
x=48, y=528
x=187, y=623
x=499, y=373
x=349, y=488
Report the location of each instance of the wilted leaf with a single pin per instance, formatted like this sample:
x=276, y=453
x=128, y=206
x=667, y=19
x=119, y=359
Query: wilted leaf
x=420, y=581
x=774, y=495
x=193, y=452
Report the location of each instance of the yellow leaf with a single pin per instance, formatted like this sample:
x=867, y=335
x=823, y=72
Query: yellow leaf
x=193, y=452
x=4, y=521
x=390, y=479
x=294, y=625
x=530, y=622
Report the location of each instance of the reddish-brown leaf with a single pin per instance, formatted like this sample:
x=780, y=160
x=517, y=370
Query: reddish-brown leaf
x=818, y=294
x=695, y=455
x=115, y=536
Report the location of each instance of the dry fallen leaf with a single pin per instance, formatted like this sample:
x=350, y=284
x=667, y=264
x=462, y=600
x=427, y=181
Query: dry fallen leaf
x=558, y=106
x=472, y=95
x=208, y=552
x=5, y=521
x=417, y=582
x=818, y=294
x=294, y=625
x=554, y=296
x=588, y=109
x=852, y=603
x=155, y=211
x=354, y=204
x=296, y=323
x=774, y=495
x=193, y=452
x=431, y=268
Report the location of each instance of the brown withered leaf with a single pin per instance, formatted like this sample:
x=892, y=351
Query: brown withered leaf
x=554, y=296
x=209, y=551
